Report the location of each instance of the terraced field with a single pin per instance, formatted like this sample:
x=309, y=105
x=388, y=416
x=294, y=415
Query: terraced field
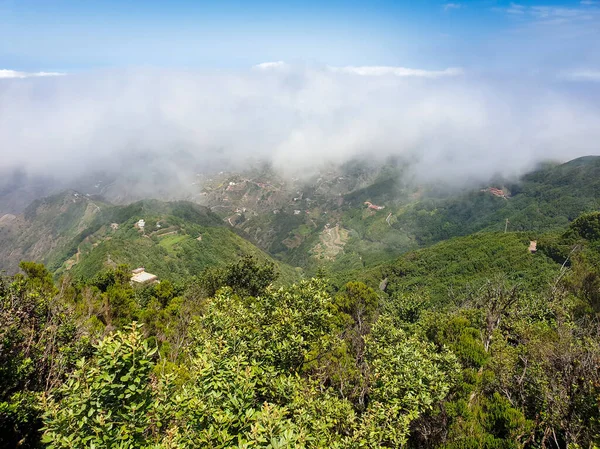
x=331, y=243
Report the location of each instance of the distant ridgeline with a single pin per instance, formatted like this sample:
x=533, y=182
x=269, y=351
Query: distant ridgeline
x=386, y=217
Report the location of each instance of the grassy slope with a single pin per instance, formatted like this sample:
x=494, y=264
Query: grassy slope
x=546, y=199
x=47, y=226
x=172, y=256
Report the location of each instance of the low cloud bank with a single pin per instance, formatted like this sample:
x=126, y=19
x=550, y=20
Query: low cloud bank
x=453, y=125
x=5, y=73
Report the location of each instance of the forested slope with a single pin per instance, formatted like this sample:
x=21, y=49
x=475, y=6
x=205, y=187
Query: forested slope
x=545, y=199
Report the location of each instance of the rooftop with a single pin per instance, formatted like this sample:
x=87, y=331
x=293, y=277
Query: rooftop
x=143, y=277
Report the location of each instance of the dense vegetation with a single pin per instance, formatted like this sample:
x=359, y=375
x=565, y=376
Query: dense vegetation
x=467, y=340
x=547, y=198
x=455, y=266
x=472, y=343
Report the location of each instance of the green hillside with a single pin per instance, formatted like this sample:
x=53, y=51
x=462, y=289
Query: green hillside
x=452, y=267
x=322, y=222
x=180, y=249
x=79, y=235
x=46, y=227
x=473, y=340
x=543, y=200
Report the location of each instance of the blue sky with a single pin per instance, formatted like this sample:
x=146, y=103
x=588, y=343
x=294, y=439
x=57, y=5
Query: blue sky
x=72, y=35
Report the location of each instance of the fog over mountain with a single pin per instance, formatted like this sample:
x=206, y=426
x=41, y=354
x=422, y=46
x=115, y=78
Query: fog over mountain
x=453, y=124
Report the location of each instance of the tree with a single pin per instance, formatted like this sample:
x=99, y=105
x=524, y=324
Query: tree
x=245, y=277
x=39, y=344
x=407, y=378
x=109, y=400
x=587, y=226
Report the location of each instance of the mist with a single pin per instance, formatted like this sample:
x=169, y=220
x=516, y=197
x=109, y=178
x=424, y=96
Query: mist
x=454, y=126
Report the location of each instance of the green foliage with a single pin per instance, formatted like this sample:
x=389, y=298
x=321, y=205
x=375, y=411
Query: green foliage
x=221, y=407
x=245, y=277
x=488, y=423
x=175, y=257
x=39, y=344
x=472, y=342
x=458, y=333
x=449, y=269
x=587, y=226
x=253, y=380
x=38, y=277
x=107, y=402
x=357, y=304
x=407, y=308
x=545, y=199
x=410, y=377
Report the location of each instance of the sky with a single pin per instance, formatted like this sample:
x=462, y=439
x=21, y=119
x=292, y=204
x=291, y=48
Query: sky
x=72, y=35
x=465, y=87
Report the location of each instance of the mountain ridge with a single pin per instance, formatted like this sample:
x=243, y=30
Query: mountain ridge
x=358, y=216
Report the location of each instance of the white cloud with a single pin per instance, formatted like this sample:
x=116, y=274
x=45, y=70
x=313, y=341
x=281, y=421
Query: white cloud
x=582, y=75
x=276, y=65
x=398, y=71
x=553, y=12
x=370, y=70
x=5, y=73
x=454, y=127
x=449, y=6
x=585, y=13
x=515, y=9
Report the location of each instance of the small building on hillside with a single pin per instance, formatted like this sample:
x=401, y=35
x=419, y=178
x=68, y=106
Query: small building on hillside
x=497, y=192
x=140, y=276
x=533, y=246
x=141, y=224
x=373, y=206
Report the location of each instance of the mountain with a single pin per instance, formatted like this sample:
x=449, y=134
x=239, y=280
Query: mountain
x=82, y=235
x=411, y=335
x=45, y=227
x=547, y=198
x=361, y=214
x=354, y=216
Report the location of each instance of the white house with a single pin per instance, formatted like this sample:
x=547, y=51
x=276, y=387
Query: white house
x=140, y=276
